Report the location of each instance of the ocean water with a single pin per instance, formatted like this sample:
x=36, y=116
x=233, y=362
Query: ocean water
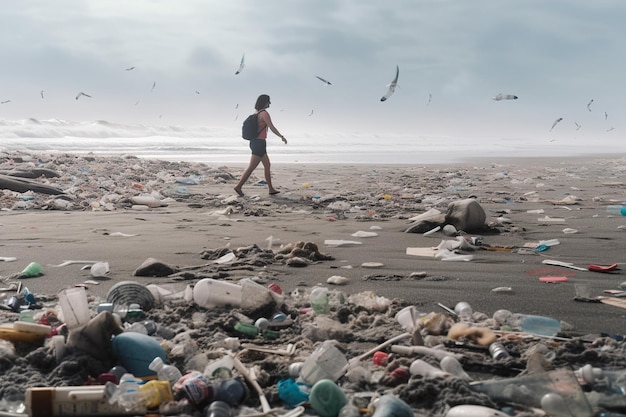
x=225, y=145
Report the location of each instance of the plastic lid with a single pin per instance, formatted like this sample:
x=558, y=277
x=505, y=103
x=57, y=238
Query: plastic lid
x=156, y=364
x=131, y=292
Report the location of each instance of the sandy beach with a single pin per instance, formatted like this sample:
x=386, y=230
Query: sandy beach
x=210, y=217
x=526, y=201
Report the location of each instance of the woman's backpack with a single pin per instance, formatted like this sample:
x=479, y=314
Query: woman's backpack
x=250, y=128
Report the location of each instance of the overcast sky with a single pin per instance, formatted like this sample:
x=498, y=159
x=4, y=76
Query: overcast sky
x=555, y=55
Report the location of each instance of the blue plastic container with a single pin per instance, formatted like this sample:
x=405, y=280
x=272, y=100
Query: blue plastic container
x=135, y=351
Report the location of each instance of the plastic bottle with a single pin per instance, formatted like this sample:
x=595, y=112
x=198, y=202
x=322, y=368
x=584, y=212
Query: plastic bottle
x=217, y=409
x=319, y=300
x=464, y=311
x=617, y=210
x=539, y=325
x=164, y=371
x=391, y=406
x=530, y=389
x=127, y=394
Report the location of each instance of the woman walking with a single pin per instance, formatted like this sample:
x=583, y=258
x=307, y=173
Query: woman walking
x=258, y=146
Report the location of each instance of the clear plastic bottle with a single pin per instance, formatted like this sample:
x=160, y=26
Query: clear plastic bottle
x=464, y=311
x=617, y=210
x=164, y=371
x=127, y=394
x=539, y=325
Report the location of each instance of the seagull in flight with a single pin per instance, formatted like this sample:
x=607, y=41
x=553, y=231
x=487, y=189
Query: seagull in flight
x=82, y=94
x=606, y=116
x=5, y=101
x=555, y=123
x=311, y=114
x=323, y=80
x=577, y=125
x=241, y=64
x=430, y=98
x=501, y=96
x=611, y=128
x=589, y=105
x=41, y=93
x=153, y=85
x=392, y=86
x=130, y=68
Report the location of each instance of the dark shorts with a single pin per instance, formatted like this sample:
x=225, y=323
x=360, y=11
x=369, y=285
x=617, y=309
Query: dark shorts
x=257, y=146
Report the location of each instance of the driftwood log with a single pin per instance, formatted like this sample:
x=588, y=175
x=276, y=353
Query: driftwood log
x=21, y=185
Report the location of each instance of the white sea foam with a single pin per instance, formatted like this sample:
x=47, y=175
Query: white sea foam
x=225, y=145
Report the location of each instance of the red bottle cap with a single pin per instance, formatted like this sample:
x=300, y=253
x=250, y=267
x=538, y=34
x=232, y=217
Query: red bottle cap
x=380, y=358
x=401, y=375
x=276, y=288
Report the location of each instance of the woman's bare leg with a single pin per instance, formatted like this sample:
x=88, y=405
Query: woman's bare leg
x=254, y=162
x=268, y=174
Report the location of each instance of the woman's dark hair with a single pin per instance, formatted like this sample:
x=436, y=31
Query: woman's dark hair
x=262, y=102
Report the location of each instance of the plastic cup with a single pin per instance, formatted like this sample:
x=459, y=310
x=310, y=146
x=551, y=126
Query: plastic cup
x=326, y=362
x=407, y=317
x=319, y=300
x=74, y=306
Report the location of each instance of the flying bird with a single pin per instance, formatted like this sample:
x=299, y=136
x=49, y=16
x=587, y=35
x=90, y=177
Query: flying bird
x=82, y=94
x=323, y=80
x=236, y=106
x=430, y=98
x=392, y=86
x=197, y=92
x=41, y=92
x=241, y=64
x=577, y=125
x=311, y=114
x=606, y=116
x=130, y=68
x=501, y=96
x=555, y=123
x=153, y=85
x=5, y=101
x=589, y=105
x=611, y=128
